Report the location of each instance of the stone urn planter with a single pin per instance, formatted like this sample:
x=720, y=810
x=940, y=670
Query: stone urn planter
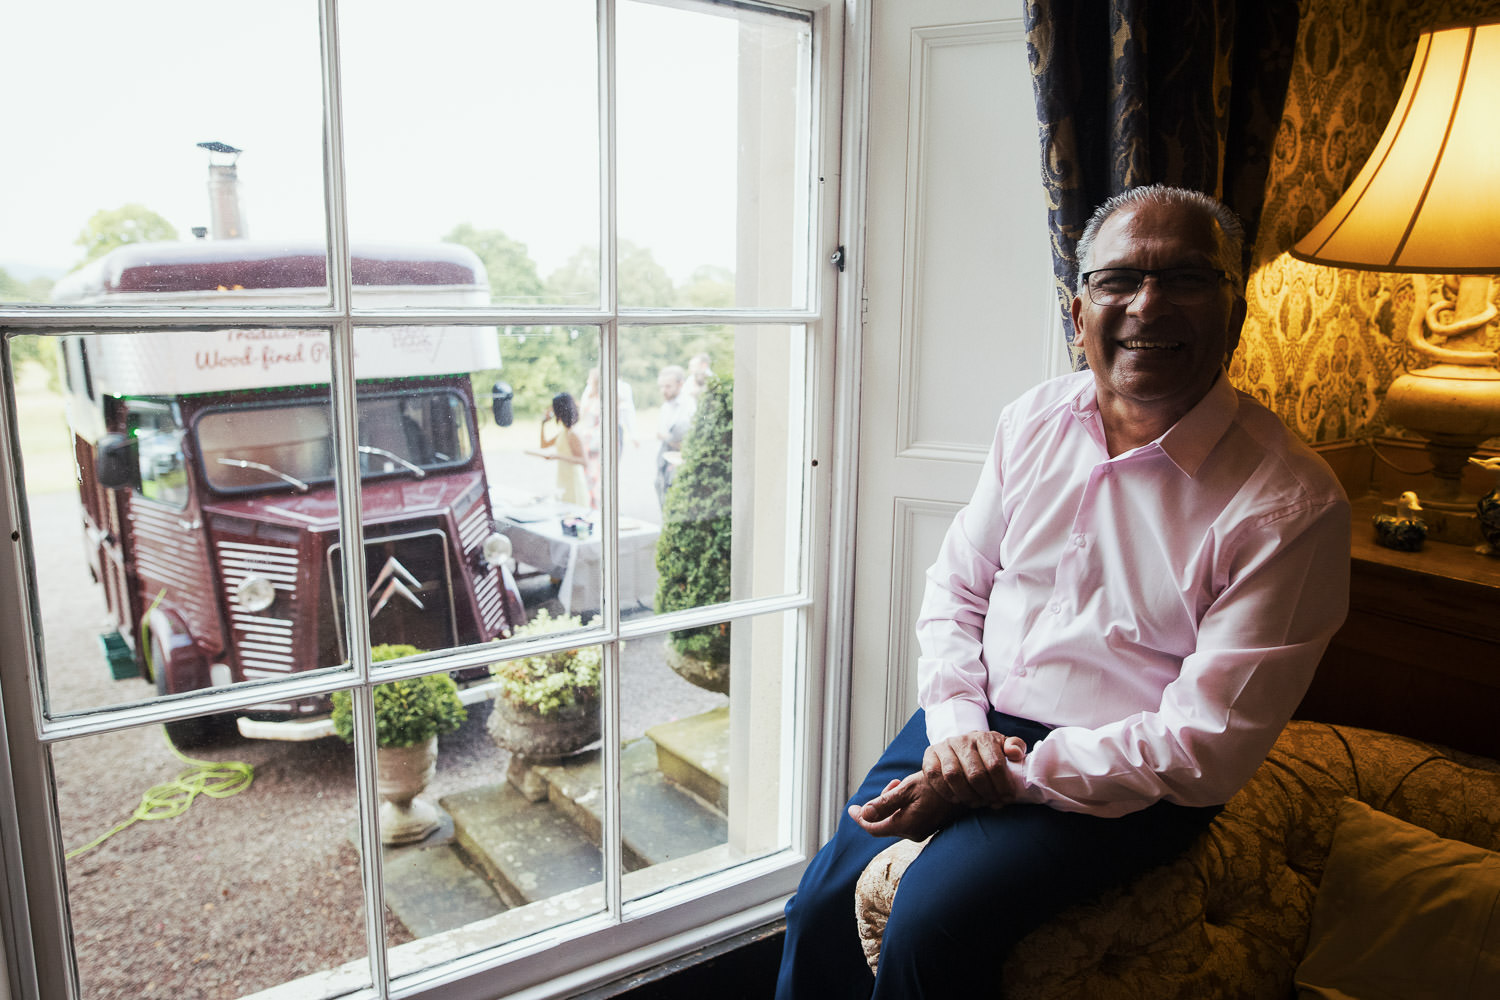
x=543, y=738
x=409, y=716
x=708, y=672
x=403, y=773
x=547, y=706
x=534, y=739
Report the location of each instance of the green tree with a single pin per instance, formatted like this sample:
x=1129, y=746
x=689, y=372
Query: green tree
x=692, y=553
x=30, y=349
x=528, y=364
x=11, y=289
x=111, y=228
x=513, y=275
x=541, y=361
x=576, y=282
x=643, y=283
x=708, y=287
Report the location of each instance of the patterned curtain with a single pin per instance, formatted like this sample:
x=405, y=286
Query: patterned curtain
x=1128, y=92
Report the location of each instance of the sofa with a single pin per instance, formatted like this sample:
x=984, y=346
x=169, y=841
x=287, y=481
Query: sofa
x=1353, y=864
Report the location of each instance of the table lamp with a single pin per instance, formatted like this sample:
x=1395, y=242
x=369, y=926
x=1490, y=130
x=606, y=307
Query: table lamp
x=1428, y=202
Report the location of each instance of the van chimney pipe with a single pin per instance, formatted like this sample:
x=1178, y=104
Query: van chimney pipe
x=228, y=222
x=224, y=201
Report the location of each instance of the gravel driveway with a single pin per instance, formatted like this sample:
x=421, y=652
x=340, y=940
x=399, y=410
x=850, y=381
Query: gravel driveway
x=240, y=893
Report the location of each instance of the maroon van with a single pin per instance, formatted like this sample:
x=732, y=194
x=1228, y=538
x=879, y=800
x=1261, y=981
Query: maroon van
x=207, y=471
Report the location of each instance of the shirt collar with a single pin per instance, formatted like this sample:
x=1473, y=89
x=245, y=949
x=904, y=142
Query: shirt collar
x=1188, y=442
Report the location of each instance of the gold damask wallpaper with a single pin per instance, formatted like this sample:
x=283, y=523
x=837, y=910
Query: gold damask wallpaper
x=1320, y=344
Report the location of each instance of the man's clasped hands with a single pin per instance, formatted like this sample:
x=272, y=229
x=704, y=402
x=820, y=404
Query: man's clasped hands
x=961, y=773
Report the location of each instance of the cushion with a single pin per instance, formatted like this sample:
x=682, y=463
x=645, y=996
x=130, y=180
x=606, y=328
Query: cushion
x=1402, y=913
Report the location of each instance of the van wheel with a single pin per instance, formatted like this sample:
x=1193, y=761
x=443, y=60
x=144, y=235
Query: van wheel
x=194, y=733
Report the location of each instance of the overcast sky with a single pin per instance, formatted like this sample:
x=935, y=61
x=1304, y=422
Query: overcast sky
x=480, y=111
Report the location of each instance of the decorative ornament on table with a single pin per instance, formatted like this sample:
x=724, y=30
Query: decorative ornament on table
x=1404, y=530
x=1489, y=510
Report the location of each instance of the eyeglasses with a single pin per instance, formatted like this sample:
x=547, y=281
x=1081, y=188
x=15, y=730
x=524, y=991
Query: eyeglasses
x=1183, y=286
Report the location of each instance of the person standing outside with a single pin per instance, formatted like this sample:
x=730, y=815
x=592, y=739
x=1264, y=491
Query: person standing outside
x=673, y=421
x=1117, y=627
x=699, y=368
x=568, y=451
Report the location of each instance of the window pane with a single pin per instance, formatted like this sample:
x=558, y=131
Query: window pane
x=724, y=493
x=239, y=892
x=246, y=77
x=476, y=494
x=503, y=858
x=714, y=193
x=703, y=768
x=478, y=123
x=182, y=512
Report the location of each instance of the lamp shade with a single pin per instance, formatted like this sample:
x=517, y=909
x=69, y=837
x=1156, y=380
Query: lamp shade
x=1428, y=199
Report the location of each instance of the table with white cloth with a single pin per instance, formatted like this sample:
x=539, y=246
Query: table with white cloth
x=538, y=540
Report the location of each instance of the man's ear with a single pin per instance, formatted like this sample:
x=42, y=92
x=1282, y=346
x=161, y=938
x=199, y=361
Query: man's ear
x=1077, y=310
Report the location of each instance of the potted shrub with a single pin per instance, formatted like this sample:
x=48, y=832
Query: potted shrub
x=410, y=714
x=692, y=554
x=547, y=705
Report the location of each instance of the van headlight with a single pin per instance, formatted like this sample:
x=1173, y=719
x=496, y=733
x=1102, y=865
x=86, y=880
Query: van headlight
x=255, y=593
x=496, y=550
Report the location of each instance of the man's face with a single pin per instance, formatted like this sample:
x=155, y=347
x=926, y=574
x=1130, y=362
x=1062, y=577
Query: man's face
x=1153, y=353
x=669, y=387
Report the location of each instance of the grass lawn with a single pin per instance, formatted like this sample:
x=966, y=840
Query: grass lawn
x=46, y=442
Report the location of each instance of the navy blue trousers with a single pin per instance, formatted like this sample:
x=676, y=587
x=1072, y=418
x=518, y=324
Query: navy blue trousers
x=977, y=888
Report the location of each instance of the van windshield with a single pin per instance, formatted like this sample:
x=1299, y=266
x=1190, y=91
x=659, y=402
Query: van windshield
x=289, y=446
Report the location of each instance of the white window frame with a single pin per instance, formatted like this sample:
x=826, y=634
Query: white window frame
x=628, y=935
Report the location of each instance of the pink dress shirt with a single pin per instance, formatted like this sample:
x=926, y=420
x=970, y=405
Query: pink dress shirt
x=1163, y=610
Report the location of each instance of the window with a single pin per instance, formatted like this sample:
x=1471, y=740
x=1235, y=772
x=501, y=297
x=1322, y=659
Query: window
x=492, y=359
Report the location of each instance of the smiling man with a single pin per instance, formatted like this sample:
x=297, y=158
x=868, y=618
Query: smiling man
x=1116, y=629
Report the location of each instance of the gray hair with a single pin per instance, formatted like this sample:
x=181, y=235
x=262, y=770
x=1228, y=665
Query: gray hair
x=1231, y=232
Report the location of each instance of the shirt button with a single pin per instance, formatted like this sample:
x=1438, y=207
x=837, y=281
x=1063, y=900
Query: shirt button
x=1056, y=609
x=1020, y=671
x=1080, y=541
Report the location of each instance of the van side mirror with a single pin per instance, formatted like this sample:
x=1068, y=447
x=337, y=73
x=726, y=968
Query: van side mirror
x=501, y=395
x=117, y=462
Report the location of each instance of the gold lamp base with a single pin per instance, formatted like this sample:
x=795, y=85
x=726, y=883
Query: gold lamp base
x=1456, y=408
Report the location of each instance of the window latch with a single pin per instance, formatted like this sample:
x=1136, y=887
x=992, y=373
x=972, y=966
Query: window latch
x=837, y=259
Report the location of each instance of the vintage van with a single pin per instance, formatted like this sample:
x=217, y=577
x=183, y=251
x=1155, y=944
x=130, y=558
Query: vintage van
x=206, y=470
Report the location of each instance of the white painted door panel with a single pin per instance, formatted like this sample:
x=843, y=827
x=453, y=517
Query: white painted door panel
x=958, y=317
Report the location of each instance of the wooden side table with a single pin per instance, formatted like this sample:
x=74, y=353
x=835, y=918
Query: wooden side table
x=1419, y=653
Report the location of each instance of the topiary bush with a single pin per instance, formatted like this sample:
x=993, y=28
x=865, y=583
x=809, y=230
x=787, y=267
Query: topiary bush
x=692, y=554
x=407, y=712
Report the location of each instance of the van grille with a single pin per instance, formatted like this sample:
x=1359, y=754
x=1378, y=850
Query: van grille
x=472, y=533
x=408, y=588
x=263, y=643
x=170, y=555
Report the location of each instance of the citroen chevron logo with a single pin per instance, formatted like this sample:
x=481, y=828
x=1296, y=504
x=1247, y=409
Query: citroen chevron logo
x=393, y=579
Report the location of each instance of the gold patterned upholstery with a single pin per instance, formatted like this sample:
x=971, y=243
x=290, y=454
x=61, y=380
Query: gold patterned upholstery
x=1231, y=917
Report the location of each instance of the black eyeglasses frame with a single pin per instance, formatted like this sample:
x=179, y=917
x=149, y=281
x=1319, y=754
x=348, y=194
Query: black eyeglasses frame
x=1193, y=298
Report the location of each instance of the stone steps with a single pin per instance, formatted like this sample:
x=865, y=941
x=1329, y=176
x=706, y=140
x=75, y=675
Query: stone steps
x=501, y=848
x=528, y=850
x=431, y=888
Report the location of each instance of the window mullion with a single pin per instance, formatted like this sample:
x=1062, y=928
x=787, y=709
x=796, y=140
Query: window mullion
x=614, y=865
x=346, y=459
